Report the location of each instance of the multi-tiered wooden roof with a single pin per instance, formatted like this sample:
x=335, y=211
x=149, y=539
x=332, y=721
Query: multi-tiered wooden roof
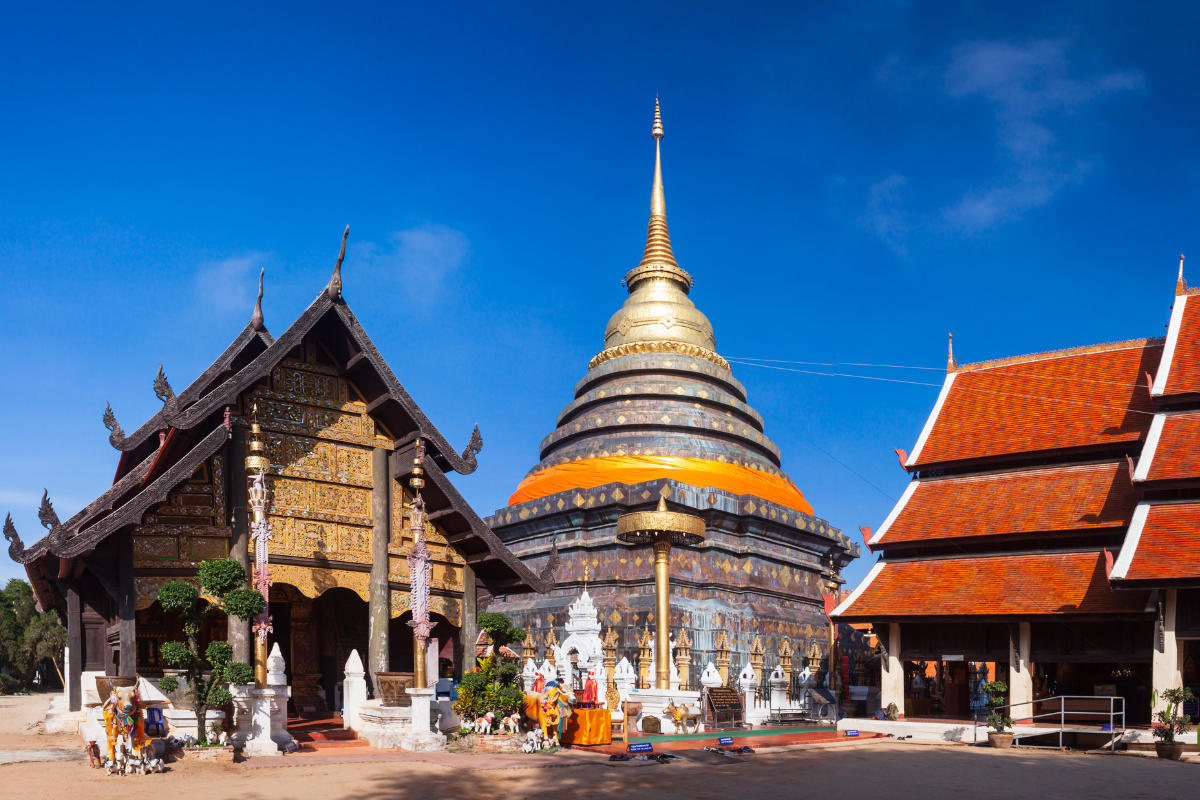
x=1061, y=483
x=194, y=424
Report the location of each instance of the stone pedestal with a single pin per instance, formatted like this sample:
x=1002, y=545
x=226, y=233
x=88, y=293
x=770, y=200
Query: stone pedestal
x=269, y=710
x=748, y=685
x=655, y=700
x=181, y=722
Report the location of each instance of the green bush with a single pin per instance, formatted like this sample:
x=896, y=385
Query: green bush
x=223, y=580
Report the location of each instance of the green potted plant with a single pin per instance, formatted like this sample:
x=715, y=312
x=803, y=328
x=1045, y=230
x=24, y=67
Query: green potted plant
x=997, y=720
x=495, y=684
x=1169, y=724
x=222, y=580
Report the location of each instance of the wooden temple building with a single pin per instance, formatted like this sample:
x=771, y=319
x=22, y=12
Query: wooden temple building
x=660, y=415
x=340, y=433
x=1050, y=527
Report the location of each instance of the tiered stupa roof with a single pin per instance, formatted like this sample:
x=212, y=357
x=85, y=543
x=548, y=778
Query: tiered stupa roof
x=658, y=401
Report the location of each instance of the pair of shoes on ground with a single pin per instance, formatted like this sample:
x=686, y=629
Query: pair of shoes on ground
x=618, y=757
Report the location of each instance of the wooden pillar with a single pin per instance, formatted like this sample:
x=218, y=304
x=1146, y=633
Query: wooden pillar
x=380, y=605
x=238, y=629
x=126, y=602
x=469, y=632
x=74, y=647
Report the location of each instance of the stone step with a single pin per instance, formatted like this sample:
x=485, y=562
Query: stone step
x=333, y=745
x=332, y=735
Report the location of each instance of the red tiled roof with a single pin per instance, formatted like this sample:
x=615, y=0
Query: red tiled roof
x=1023, y=405
x=1177, y=454
x=1184, y=374
x=1059, y=499
x=1060, y=583
x=1167, y=548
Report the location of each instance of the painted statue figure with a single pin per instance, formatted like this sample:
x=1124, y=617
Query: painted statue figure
x=681, y=715
x=591, y=690
x=129, y=749
x=539, y=683
x=548, y=711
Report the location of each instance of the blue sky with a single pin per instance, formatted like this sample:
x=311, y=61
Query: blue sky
x=847, y=183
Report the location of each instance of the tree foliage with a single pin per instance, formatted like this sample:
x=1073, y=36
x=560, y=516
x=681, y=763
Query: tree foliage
x=27, y=639
x=223, y=580
x=502, y=633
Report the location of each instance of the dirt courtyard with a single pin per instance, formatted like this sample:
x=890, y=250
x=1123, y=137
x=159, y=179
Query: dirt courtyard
x=886, y=768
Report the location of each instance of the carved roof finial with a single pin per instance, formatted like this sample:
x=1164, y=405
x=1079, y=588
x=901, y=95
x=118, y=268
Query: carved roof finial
x=657, y=130
x=256, y=321
x=334, y=289
x=1180, y=283
x=951, y=364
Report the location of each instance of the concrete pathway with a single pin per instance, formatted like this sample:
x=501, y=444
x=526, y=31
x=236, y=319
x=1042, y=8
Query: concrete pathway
x=49, y=754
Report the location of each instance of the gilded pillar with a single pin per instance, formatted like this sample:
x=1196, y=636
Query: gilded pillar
x=644, y=658
x=722, y=647
x=551, y=644
x=662, y=610
x=683, y=657
x=756, y=658
x=379, y=607
x=785, y=656
x=238, y=629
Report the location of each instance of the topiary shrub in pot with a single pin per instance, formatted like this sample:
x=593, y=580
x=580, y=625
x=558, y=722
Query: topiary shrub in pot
x=222, y=580
x=1169, y=724
x=997, y=720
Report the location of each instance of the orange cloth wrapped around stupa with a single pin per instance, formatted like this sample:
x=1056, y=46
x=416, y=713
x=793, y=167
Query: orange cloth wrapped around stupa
x=589, y=473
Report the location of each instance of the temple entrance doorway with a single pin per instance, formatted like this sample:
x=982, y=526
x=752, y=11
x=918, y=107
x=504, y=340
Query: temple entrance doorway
x=316, y=636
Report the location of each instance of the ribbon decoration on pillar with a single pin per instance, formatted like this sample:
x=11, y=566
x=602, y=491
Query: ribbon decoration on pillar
x=420, y=566
x=258, y=499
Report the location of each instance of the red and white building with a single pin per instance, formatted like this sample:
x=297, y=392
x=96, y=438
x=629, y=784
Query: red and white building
x=1052, y=526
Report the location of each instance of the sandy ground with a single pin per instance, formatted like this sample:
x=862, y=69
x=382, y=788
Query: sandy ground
x=18, y=713
x=893, y=770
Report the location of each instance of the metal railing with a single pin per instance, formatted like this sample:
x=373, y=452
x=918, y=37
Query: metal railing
x=1060, y=715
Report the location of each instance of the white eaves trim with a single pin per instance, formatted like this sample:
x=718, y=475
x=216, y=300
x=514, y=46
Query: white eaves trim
x=933, y=415
x=1164, y=367
x=1132, y=537
x=1146, y=459
x=845, y=606
x=887, y=523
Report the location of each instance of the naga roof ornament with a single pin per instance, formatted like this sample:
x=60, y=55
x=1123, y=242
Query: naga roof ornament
x=15, y=546
x=334, y=289
x=116, y=436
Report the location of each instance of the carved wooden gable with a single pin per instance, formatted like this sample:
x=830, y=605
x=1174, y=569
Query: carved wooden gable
x=319, y=438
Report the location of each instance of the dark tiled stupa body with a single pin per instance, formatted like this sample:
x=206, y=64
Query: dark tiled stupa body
x=660, y=414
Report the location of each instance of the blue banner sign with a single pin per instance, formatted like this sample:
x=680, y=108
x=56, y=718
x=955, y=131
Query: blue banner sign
x=725, y=740
x=852, y=733
x=641, y=747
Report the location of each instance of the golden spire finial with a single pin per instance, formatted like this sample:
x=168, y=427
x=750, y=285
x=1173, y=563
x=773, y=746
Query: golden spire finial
x=658, y=260
x=1180, y=283
x=951, y=364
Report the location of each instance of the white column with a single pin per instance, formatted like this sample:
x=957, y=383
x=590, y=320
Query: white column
x=1020, y=674
x=1167, y=671
x=420, y=709
x=529, y=674
x=354, y=690
x=751, y=712
x=891, y=689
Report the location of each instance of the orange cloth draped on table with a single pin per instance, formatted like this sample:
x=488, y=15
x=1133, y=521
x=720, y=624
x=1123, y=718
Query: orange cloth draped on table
x=588, y=726
x=589, y=473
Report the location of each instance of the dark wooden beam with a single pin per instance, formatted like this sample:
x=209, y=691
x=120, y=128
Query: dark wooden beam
x=441, y=512
x=378, y=403
x=476, y=558
x=74, y=646
x=126, y=600
x=355, y=361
